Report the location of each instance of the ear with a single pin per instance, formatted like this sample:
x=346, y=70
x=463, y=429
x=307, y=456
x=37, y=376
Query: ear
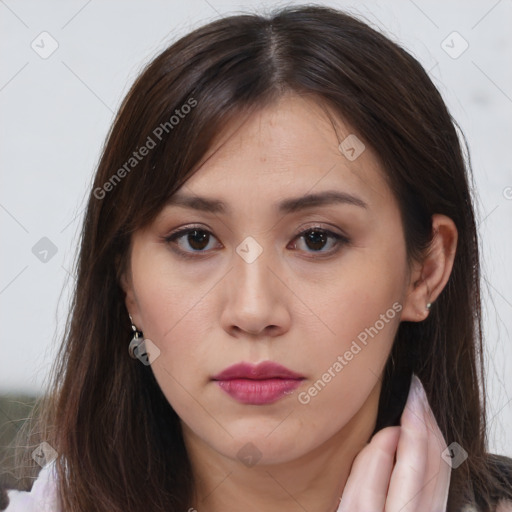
x=429, y=276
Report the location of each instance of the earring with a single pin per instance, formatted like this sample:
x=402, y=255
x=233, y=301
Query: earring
x=135, y=341
x=429, y=305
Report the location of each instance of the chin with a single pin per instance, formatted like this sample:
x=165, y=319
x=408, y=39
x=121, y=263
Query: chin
x=254, y=443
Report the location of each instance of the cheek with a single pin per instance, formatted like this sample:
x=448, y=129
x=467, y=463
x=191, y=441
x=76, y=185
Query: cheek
x=177, y=325
x=172, y=315
x=360, y=313
x=361, y=301
x=164, y=293
x=345, y=371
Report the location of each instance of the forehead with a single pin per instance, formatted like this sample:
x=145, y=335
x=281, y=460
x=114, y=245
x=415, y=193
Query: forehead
x=288, y=149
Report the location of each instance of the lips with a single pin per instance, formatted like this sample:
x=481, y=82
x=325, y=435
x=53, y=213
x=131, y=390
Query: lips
x=260, y=384
x=265, y=370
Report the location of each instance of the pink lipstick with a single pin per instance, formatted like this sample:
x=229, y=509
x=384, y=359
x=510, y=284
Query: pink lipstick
x=260, y=384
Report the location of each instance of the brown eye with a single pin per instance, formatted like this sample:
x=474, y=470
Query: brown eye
x=316, y=239
x=197, y=239
x=191, y=240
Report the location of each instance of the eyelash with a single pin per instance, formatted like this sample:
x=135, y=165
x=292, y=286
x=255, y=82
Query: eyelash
x=340, y=240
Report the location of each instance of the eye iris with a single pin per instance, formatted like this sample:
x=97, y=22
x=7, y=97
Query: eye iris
x=196, y=235
x=317, y=238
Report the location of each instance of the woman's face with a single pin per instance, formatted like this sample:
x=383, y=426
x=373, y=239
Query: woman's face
x=283, y=272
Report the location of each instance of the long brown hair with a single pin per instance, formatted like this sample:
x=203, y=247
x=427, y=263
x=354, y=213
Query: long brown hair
x=119, y=441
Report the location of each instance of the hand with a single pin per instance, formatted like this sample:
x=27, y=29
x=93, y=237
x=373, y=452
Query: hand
x=418, y=481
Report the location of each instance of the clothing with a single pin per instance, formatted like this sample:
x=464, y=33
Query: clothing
x=42, y=497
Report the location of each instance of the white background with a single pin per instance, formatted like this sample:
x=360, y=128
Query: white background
x=55, y=114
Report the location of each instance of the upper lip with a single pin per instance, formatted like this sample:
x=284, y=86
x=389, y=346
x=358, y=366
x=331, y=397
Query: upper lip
x=261, y=371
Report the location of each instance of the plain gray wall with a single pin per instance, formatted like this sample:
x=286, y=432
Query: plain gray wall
x=55, y=113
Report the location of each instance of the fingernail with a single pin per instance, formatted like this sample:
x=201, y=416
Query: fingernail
x=417, y=399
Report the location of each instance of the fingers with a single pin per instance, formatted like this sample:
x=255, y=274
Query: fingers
x=435, y=496
x=420, y=479
x=407, y=479
x=367, y=484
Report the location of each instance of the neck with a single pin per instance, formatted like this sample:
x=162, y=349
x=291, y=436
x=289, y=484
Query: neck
x=313, y=482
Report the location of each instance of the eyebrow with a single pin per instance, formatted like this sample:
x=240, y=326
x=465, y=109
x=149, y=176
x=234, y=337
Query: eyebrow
x=290, y=205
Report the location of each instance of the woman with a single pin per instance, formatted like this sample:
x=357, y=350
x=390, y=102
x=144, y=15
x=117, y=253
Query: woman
x=282, y=222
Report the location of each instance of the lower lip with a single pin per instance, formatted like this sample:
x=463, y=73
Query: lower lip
x=258, y=392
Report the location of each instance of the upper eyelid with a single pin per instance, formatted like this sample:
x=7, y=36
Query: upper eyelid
x=340, y=238
x=184, y=230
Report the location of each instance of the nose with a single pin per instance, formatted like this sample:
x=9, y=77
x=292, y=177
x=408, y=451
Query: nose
x=256, y=300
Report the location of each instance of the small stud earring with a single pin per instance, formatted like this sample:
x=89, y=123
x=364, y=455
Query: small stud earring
x=135, y=341
x=429, y=305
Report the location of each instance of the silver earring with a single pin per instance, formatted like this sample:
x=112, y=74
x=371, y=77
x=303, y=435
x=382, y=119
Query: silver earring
x=429, y=305
x=135, y=341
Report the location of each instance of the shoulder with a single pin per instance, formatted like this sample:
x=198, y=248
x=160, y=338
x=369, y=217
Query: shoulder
x=502, y=506
x=41, y=498
x=499, y=488
x=501, y=467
